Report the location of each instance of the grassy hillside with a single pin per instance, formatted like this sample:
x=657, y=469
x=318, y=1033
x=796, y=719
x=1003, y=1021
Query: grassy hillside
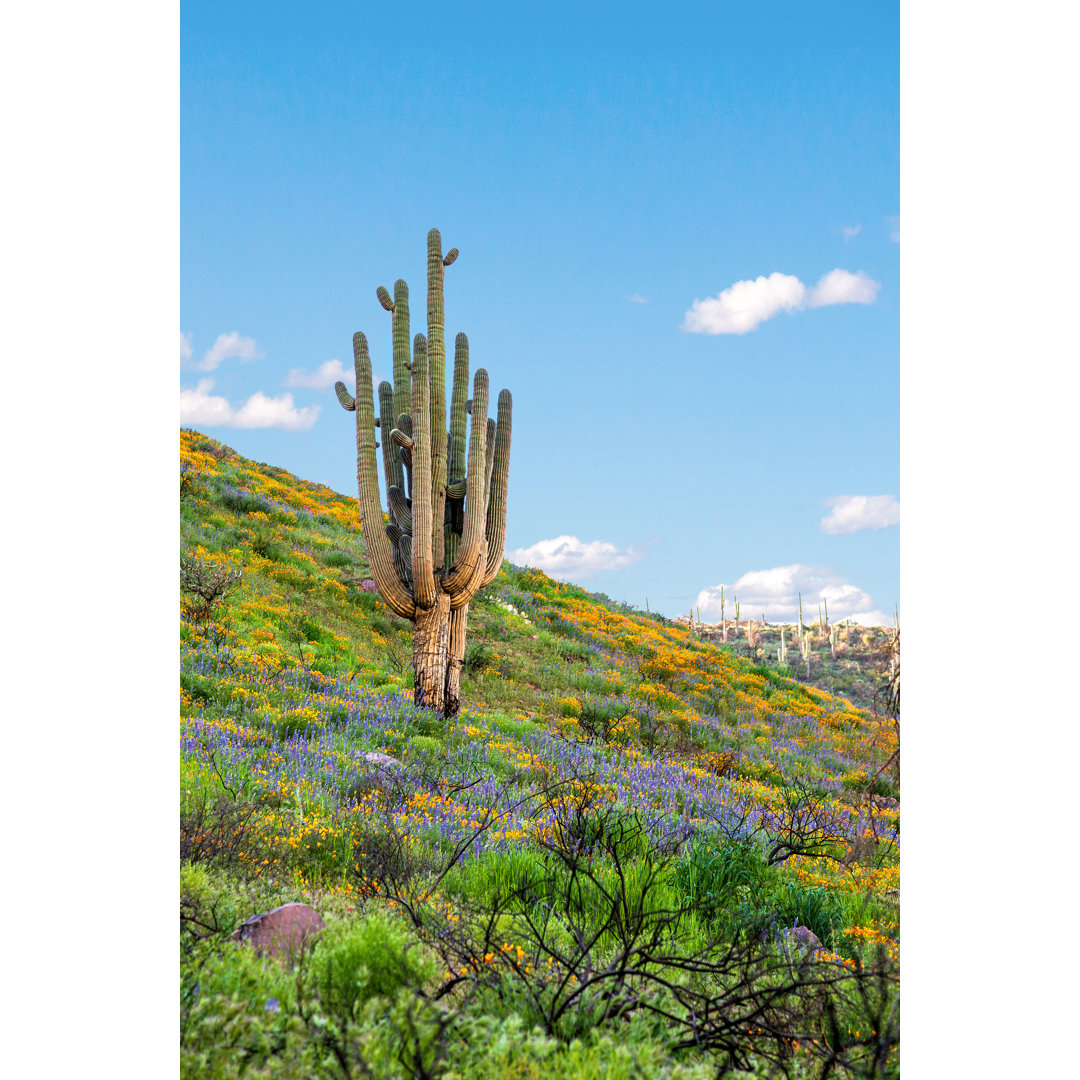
x=588, y=871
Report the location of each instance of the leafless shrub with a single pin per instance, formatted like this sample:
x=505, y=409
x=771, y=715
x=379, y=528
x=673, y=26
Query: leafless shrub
x=221, y=833
x=204, y=585
x=591, y=936
x=808, y=823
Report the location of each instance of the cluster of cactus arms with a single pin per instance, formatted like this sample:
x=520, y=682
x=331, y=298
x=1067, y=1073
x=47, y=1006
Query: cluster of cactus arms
x=445, y=532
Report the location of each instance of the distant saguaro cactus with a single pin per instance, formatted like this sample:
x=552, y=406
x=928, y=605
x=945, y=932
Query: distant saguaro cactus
x=446, y=528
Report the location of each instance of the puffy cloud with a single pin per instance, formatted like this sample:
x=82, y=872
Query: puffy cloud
x=232, y=346
x=326, y=374
x=199, y=406
x=185, y=347
x=774, y=593
x=567, y=557
x=745, y=305
x=842, y=287
x=850, y=232
x=850, y=513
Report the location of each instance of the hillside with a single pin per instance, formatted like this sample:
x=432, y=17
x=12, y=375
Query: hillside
x=609, y=767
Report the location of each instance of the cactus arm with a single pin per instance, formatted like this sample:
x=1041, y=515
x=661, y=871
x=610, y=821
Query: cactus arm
x=423, y=568
x=472, y=536
x=345, y=399
x=474, y=584
x=393, y=472
x=489, y=461
x=367, y=479
x=498, y=489
x=456, y=451
x=404, y=441
x=400, y=511
x=402, y=361
x=457, y=406
x=436, y=340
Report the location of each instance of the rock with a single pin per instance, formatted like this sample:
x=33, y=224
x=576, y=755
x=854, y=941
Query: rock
x=282, y=933
x=885, y=801
x=368, y=585
x=803, y=935
x=384, y=761
x=380, y=771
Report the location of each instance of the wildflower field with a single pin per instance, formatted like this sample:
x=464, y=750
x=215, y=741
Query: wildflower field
x=633, y=853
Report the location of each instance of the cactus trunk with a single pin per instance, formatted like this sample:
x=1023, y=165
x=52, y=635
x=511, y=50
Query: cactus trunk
x=431, y=645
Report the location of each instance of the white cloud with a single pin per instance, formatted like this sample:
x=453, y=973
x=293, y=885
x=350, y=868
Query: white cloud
x=637, y=299
x=842, y=287
x=232, y=346
x=199, y=406
x=326, y=374
x=567, y=557
x=850, y=232
x=850, y=513
x=775, y=593
x=745, y=305
x=185, y=347
x=894, y=228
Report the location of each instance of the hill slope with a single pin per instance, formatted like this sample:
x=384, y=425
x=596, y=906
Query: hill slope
x=578, y=713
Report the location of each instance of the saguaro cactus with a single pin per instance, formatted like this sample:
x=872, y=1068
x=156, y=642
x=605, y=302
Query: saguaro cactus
x=444, y=536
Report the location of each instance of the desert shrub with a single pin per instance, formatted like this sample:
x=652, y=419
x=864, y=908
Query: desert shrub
x=788, y=904
x=602, y=720
x=206, y=909
x=234, y=1006
x=424, y=744
x=221, y=832
x=263, y=546
x=243, y=502
x=714, y=876
x=376, y=956
x=570, y=650
x=504, y=1048
x=477, y=657
x=198, y=687
x=204, y=585
x=292, y=724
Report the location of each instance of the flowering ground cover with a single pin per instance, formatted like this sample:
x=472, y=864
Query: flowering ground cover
x=688, y=779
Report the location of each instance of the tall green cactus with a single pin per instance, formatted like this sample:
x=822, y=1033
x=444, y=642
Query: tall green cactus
x=446, y=528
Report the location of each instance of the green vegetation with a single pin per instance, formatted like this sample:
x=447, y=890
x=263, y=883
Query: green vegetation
x=594, y=870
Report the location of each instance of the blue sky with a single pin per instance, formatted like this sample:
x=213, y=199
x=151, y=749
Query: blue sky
x=679, y=237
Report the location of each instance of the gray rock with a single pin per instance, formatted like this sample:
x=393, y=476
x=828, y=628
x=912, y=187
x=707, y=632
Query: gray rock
x=803, y=935
x=379, y=772
x=384, y=761
x=282, y=933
